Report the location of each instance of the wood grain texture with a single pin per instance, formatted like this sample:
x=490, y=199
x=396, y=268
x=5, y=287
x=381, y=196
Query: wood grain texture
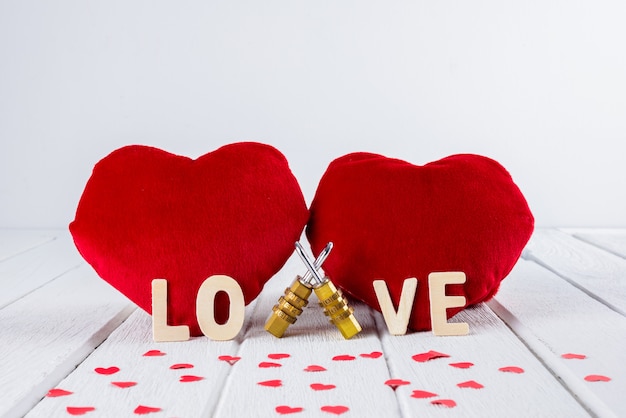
x=156, y=384
x=261, y=372
x=612, y=240
x=586, y=266
x=312, y=340
x=17, y=241
x=31, y=269
x=45, y=334
x=489, y=346
x=547, y=311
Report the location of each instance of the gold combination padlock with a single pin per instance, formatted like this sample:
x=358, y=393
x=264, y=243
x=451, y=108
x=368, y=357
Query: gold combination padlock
x=291, y=305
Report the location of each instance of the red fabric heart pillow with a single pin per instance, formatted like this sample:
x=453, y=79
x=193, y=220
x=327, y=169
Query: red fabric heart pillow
x=393, y=220
x=147, y=214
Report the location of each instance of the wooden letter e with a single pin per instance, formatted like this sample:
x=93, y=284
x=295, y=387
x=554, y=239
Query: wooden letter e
x=439, y=302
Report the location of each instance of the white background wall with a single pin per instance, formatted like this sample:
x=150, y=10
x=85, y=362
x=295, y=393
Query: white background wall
x=538, y=85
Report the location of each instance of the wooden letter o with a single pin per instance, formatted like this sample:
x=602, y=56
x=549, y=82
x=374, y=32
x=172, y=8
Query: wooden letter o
x=205, y=302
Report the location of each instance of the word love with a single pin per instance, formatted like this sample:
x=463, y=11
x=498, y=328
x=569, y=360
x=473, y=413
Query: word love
x=397, y=321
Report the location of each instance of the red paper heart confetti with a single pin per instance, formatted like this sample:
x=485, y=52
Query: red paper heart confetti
x=107, y=370
x=421, y=394
x=335, y=409
x=269, y=364
x=314, y=368
x=444, y=402
x=79, y=410
x=597, y=378
x=55, y=393
x=571, y=356
x=321, y=386
x=373, y=354
x=229, y=359
x=462, y=365
x=278, y=356
x=124, y=385
x=394, y=383
x=511, y=369
x=271, y=383
x=154, y=353
x=344, y=357
x=470, y=384
x=143, y=410
x=181, y=366
x=430, y=355
x=284, y=409
x=190, y=378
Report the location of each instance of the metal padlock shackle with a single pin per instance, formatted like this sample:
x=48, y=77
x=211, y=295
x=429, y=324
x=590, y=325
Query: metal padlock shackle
x=316, y=264
x=291, y=305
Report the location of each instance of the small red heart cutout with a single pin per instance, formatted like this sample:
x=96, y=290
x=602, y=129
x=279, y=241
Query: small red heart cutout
x=344, y=357
x=154, y=353
x=373, y=354
x=284, y=409
x=143, y=410
x=394, y=383
x=107, y=370
x=190, y=378
x=314, y=368
x=269, y=364
x=79, y=410
x=462, y=365
x=511, y=369
x=278, y=356
x=421, y=394
x=124, y=385
x=229, y=359
x=430, y=355
x=321, y=386
x=147, y=214
x=181, y=366
x=444, y=402
x=271, y=383
x=55, y=393
x=393, y=220
x=597, y=378
x=472, y=384
x=335, y=409
x=570, y=356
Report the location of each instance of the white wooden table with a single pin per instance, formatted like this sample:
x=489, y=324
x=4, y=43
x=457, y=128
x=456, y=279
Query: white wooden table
x=61, y=324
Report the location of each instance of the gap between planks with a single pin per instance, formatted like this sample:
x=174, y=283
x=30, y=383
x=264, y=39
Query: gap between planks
x=46, y=333
x=593, y=270
x=32, y=269
x=552, y=318
x=14, y=242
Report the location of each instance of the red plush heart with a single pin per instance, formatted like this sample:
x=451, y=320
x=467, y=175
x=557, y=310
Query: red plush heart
x=148, y=214
x=392, y=220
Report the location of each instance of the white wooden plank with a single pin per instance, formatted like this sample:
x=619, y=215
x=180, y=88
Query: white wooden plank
x=16, y=241
x=29, y=270
x=45, y=334
x=312, y=340
x=555, y=318
x=601, y=274
x=489, y=346
x=612, y=240
x=157, y=385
